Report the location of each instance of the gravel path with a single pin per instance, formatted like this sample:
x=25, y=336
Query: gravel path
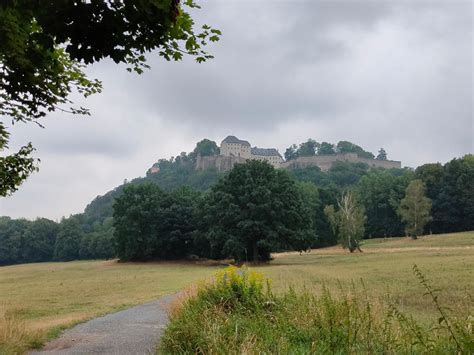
x=134, y=331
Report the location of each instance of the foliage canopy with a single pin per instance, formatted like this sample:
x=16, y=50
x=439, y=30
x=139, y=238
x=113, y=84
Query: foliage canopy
x=254, y=210
x=415, y=208
x=44, y=46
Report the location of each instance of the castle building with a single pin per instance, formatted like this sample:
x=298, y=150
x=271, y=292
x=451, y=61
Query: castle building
x=236, y=151
x=234, y=147
x=270, y=155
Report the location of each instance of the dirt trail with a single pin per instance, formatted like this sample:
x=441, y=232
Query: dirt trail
x=136, y=330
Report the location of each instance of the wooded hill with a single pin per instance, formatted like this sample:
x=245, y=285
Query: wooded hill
x=90, y=235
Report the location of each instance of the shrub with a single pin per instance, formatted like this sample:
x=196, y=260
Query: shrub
x=238, y=313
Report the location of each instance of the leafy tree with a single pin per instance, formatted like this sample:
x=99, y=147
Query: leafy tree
x=152, y=224
x=177, y=224
x=11, y=239
x=14, y=168
x=254, y=210
x=38, y=240
x=23, y=241
x=311, y=174
x=326, y=149
x=453, y=207
x=341, y=174
x=432, y=176
x=347, y=222
x=345, y=174
x=136, y=218
x=380, y=193
x=204, y=148
x=174, y=174
x=308, y=148
x=86, y=248
x=415, y=209
x=317, y=223
x=44, y=46
x=382, y=154
x=104, y=244
x=98, y=243
x=349, y=147
x=68, y=239
x=328, y=196
x=291, y=152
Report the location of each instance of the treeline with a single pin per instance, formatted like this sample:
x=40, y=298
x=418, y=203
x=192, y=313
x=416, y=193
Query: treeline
x=256, y=209
x=23, y=241
x=312, y=147
x=190, y=218
x=249, y=213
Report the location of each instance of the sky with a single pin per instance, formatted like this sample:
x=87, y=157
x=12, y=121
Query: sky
x=391, y=74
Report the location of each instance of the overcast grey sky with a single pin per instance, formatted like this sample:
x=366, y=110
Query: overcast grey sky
x=393, y=74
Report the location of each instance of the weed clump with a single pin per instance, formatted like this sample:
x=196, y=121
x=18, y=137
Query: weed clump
x=238, y=313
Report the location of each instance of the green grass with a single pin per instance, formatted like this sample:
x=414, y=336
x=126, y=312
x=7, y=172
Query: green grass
x=43, y=298
x=386, y=269
x=237, y=314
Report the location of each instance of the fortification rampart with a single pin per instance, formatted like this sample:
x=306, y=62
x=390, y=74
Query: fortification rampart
x=324, y=162
x=220, y=162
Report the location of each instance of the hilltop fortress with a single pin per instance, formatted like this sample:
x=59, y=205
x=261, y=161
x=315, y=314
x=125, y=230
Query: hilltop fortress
x=234, y=151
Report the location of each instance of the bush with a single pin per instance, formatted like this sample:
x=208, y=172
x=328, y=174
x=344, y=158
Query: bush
x=238, y=313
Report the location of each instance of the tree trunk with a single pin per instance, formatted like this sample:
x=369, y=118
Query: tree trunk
x=255, y=251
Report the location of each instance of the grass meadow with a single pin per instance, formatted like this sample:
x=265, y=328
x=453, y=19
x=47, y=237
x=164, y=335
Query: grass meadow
x=39, y=300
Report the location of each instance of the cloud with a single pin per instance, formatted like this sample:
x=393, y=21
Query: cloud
x=386, y=74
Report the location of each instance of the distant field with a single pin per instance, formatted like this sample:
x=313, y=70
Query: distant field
x=45, y=297
x=457, y=240
x=385, y=267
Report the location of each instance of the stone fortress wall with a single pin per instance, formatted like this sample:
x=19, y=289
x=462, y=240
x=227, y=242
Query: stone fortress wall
x=324, y=162
x=219, y=162
x=235, y=151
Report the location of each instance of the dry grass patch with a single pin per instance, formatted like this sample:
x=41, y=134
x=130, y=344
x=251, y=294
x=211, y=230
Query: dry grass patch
x=15, y=335
x=41, y=299
x=45, y=298
x=385, y=267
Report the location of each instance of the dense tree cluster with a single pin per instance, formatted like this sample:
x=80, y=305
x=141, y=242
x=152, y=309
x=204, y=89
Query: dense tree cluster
x=252, y=211
x=451, y=191
x=179, y=212
x=153, y=224
x=23, y=241
x=380, y=192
